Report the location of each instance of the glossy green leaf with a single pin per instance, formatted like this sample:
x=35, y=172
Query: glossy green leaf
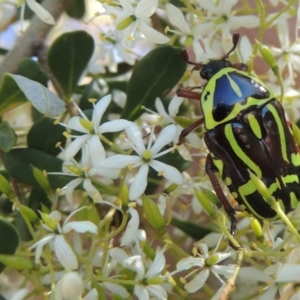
x=68, y=57
x=191, y=229
x=77, y=9
x=31, y=69
x=154, y=76
x=16, y=90
x=44, y=135
x=18, y=164
x=8, y=137
x=9, y=234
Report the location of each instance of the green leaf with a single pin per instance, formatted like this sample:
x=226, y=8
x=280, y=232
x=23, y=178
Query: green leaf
x=31, y=69
x=44, y=135
x=68, y=57
x=16, y=90
x=37, y=199
x=77, y=9
x=191, y=229
x=9, y=234
x=8, y=137
x=18, y=164
x=154, y=76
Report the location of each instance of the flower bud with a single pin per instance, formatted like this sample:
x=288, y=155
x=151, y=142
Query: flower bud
x=268, y=56
x=16, y=262
x=71, y=286
x=50, y=222
x=155, y=280
x=88, y=125
x=256, y=228
x=296, y=133
x=28, y=213
x=41, y=178
x=123, y=195
x=211, y=260
x=126, y=22
x=5, y=187
x=75, y=170
x=206, y=203
x=262, y=189
x=153, y=215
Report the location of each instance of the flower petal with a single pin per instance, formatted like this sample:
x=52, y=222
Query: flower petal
x=197, y=282
x=157, y=291
x=141, y=292
x=126, y=4
x=120, y=161
x=174, y=105
x=146, y=8
x=95, y=151
x=151, y=34
x=117, y=289
x=40, y=245
x=70, y=188
x=177, y=19
x=158, y=264
x=189, y=262
x=41, y=12
x=288, y=273
x=74, y=124
x=92, y=191
x=169, y=172
x=99, y=109
x=139, y=183
x=115, y=125
x=76, y=145
x=80, y=227
x=135, y=263
x=131, y=228
x=166, y=136
x=134, y=135
x=118, y=254
x=91, y=295
x=64, y=253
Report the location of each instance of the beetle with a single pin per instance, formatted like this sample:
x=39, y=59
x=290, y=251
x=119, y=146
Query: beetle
x=246, y=130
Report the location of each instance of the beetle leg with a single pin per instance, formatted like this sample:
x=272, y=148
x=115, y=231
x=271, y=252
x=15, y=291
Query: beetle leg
x=188, y=130
x=188, y=93
x=209, y=168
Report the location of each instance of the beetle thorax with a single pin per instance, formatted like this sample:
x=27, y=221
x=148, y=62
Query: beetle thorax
x=213, y=67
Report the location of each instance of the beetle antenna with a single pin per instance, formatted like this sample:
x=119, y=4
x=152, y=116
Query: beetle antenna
x=185, y=57
x=235, y=39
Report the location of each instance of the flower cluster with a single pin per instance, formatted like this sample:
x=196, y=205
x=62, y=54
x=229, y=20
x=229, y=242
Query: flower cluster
x=114, y=193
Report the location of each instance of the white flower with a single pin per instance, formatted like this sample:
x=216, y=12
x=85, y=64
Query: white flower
x=145, y=158
x=206, y=263
x=39, y=10
x=85, y=176
x=110, y=53
x=144, y=273
x=287, y=55
x=62, y=249
x=91, y=132
x=220, y=18
x=272, y=276
x=168, y=118
x=191, y=34
x=108, y=267
x=132, y=21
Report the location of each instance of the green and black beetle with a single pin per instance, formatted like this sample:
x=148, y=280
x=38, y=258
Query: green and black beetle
x=246, y=130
